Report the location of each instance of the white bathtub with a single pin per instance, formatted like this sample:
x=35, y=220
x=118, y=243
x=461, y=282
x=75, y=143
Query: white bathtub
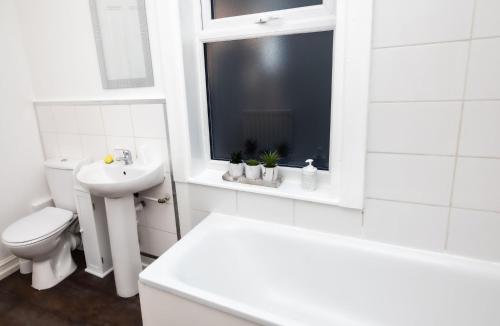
x=233, y=271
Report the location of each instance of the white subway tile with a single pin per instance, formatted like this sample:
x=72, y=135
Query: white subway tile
x=161, y=190
x=406, y=224
x=65, y=118
x=94, y=147
x=475, y=234
x=327, y=218
x=197, y=216
x=142, y=219
x=424, y=72
x=117, y=120
x=160, y=241
x=477, y=184
x=212, y=199
x=50, y=144
x=400, y=22
x=265, y=208
x=70, y=146
x=148, y=120
x=480, y=135
x=159, y=145
x=121, y=142
x=89, y=120
x=416, y=127
x=46, y=121
x=413, y=178
x=158, y=216
x=486, y=22
x=144, y=242
x=483, y=80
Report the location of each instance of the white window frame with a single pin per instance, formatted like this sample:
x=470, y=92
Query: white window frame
x=325, y=9
x=350, y=91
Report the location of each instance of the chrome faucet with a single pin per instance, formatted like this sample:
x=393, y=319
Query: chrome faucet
x=125, y=156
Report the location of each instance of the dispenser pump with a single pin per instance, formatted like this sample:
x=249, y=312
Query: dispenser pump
x=309, y=167
x=309, y=176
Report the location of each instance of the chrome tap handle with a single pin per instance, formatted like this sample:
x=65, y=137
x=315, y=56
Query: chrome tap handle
x=126, y=156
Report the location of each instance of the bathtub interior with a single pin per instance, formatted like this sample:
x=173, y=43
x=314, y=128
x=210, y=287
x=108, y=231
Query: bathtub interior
x=287, y=276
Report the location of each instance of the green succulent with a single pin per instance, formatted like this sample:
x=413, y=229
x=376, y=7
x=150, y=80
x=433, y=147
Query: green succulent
x=270, y=159
x=236, y=157
x=252, y=162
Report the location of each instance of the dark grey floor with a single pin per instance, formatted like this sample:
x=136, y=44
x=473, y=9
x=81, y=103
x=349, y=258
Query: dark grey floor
x=81, y=299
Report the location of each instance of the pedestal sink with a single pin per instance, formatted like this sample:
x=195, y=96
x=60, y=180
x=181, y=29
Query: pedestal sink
x=117, y=183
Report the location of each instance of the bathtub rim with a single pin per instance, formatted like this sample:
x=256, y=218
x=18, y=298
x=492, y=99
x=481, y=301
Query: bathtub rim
x=175, y=286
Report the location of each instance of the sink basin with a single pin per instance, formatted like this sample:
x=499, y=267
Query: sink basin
x=117, y=180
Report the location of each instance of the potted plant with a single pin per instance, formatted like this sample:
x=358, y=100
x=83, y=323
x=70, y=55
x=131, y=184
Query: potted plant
x=236, y=165
x=252, y=169
x=270, y=166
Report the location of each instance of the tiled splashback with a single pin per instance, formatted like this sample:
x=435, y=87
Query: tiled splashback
x=88, y=130
x=433, y=172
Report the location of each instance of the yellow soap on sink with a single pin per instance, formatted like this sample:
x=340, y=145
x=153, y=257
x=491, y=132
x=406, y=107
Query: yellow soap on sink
x=108, y=159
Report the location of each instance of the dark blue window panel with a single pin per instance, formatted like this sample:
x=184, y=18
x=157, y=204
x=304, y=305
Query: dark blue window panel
x=271, y=93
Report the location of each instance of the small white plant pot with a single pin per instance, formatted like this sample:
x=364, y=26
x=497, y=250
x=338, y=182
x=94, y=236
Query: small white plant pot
x=252, y=172
x=269, y=174
x=236, y=170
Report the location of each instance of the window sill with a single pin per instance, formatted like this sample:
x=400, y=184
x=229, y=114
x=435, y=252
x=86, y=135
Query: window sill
x=290, y=188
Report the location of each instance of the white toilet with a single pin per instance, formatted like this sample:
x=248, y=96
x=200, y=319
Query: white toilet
x=42, y=237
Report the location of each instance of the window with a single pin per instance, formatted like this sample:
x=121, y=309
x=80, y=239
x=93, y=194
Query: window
x=259, y=75
x=228, y=8
x=271, y=93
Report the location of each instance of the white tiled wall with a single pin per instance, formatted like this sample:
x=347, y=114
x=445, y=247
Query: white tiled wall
x=486, y=21
x=413, y=178
x=79, y=131
x=266, y=208
x=433, y=167
x=474, y=233
x=196, y=202
x=427, y=72
x=401, y=22
x=413, y=225
x=484, y=69
x=403, y=133
x=327, y=218
x=433, y=162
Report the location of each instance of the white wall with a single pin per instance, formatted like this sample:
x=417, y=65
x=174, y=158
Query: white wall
x=21, y=165
x=62, y=54
x=433, y=162
x=59, y=41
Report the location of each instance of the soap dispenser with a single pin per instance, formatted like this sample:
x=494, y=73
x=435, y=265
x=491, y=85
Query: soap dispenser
x=309, y=172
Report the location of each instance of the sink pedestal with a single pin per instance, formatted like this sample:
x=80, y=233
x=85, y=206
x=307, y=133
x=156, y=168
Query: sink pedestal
x=122, y=226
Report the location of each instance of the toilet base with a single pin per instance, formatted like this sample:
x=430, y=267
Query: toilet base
x=25, y=266
x=52, y=269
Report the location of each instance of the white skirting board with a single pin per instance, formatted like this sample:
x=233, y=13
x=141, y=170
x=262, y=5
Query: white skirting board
x=8, y=265
x=98, y=274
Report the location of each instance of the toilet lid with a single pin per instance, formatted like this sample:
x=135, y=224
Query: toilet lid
x=37, y=225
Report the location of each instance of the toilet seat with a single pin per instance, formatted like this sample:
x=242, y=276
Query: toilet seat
x=37, y=226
